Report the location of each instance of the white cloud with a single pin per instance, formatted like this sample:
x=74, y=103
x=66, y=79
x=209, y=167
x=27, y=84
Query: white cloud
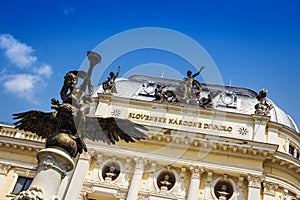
x=44, y=70
x=21, y=85
x=18, y=53
x=24, y=85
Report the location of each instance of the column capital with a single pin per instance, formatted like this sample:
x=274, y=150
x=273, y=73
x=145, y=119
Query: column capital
x=269, y=188
x=241, y=183
x=255, y=181
x=140, y=162
x=4, y=168
x=86, y=155
x=196, y=172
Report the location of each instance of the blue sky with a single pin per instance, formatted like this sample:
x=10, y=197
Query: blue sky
x=255, y=44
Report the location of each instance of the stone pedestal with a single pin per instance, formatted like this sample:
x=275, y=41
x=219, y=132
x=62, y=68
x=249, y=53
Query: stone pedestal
x=52, y=167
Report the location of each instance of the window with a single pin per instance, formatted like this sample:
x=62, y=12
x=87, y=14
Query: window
x=291, y=150
x=22, y=184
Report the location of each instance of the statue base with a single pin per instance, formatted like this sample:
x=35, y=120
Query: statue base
x=52, y=167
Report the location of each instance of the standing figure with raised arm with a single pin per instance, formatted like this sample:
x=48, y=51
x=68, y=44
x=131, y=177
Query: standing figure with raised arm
x=109, y=85
x=191, y=85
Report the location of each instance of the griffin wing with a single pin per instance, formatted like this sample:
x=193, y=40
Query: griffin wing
x=110, y=130
x=41, y=123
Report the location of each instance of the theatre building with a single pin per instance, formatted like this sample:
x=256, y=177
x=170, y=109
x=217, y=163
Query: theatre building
x=225, y=142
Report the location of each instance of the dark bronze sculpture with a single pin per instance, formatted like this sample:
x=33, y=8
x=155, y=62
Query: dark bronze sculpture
x=263, y=107
x=206, y=102
x=109, y=86
x=191, y=86
x=70, y=122
x=164, y=95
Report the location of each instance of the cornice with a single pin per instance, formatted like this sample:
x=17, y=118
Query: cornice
x=18, y=164
x=217, y=144
x=176, y=162
x=17, y=145
x=283, y=183
x=16, y=134
x=287, y=161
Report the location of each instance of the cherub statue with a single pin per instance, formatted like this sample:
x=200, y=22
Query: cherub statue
x=263, y=107
x=109, y=86
x=191, y=86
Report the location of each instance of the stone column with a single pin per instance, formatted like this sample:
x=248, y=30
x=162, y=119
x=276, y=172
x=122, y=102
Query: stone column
x=52, y=167
x=136, y=180
x=254, y=186
x=193, y=192
x=78, y=176
x=269, y=190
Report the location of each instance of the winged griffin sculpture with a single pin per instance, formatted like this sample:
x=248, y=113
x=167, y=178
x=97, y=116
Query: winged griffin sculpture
x=66, y=127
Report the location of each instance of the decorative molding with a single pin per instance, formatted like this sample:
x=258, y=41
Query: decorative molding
x=140, y=163
x=50, y=162
x=255, y=181
x=269, y=188
x=196, y=172
x=56, y=160
x=34, y=192
x=149, y=186
x=209, y=178
x=143, y=196
x=240, y=187
x=180, y=161
x=207, y=186
x=86, y=155
x=285, y=195
x=4, y=168
x=121, y=193
x=181, y=183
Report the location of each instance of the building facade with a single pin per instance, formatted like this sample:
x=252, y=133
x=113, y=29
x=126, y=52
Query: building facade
x=222, y=149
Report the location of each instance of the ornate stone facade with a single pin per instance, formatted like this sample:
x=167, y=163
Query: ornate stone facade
x=201, y=150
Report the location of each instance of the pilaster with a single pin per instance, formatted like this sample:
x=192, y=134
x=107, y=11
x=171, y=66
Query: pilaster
x=254, y=186
x=134, y=187
x=79, y=174
x=193, y=192
x=260, y=124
